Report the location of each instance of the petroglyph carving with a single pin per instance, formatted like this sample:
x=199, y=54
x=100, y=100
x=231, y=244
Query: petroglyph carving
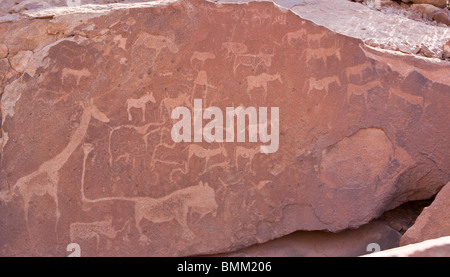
x=291, y=37
x=252, y=60
x=235, y=48
x=260, y=16
x=178, y=205
x=202, y=57
x=156, y=42
x=321, y=53
x=81, y=230
x=315, y=38
x=198, y=199
x=280, y=19
x=165, y=161
x=246, y=153
x=141, y=130
x=139, y=103
x=78, y=74
x=410, y=98
x=51, y=96
x=45, y=179
x=197, y=150
x=261, y=80
x=202, y=80
x=321, y=84
x=262, y=184
x=182, y=99
x=353, y=89
x=356, y=70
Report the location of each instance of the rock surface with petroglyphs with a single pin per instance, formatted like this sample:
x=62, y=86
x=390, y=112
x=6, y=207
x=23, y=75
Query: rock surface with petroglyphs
x=87, y=150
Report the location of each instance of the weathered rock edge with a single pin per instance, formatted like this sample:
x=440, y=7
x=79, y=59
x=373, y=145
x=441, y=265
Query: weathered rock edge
x=365, y=131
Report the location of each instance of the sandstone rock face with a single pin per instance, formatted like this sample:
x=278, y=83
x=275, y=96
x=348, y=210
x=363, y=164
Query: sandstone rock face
x=349, y=243
x=88, y=153
x=433, y=222
x=3, y=51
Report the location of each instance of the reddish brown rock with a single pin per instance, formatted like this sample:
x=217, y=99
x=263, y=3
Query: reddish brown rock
x=446, y=52
x=426, y=9
x=404, y=216
x=20, y=61
x=3, y=51
x=442, y=16
x=437, y=3
x=25, y=35
x=87, y=154
x=375, y=236
x=433, y=222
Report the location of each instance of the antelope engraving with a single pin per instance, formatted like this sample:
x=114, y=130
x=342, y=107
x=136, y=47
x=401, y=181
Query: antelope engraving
x=182, y=99
x=353, y=89
x=315, y=38
x=156, y=42
x=139, y=103
x=321, y=53
x=291, y=37
x=410, y=98
x=356, y=70
x=200, y=152
x=252, y=60
x=202, y=57
x=78, y=74
x=246, y=153
x=261, y=81
x=321, y=84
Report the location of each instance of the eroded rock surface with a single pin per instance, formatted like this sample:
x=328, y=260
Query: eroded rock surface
x=376, y=235
x=87, y=154
x=433, y=222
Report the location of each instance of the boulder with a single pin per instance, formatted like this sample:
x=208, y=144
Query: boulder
x=437, y=3
x=442, y=16
x=427, y=10
x=433, y=222
x=446, y=50
x=101, y=135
